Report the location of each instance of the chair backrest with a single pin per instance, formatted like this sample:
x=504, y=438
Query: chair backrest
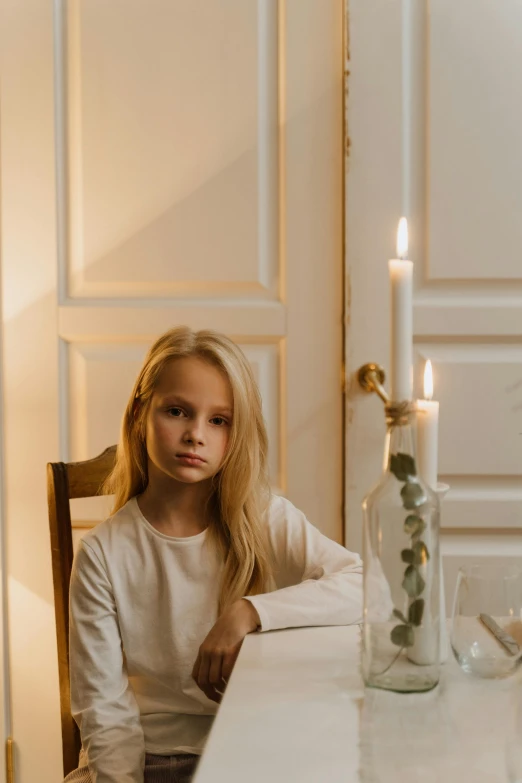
x=64, y=482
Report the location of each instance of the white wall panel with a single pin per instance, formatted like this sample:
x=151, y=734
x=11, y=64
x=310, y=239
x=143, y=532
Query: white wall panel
x=101, y=379
x=475, y=145
x=266, y=364
x=460, y=552
x=170, y=148
x=480, y=395
x=434, y=118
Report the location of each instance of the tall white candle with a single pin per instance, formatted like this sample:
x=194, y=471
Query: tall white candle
x=423, y=650
x=401, y=280
x=428, y=432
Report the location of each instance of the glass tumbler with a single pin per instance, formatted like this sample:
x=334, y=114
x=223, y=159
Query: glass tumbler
x=486, y=633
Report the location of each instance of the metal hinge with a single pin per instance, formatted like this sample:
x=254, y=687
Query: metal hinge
x=9, y=760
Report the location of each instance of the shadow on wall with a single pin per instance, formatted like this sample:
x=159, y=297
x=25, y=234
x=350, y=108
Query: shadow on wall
x=217, y=222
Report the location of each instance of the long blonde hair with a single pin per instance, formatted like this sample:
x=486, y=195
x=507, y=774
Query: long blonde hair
x=241, y=487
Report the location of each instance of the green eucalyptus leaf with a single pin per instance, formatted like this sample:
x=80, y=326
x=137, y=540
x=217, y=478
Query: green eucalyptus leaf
x=408, y=463
x=407, y=556
x=397, y=468
x=416, y=611
x=402, y=466
x=402, y=635
x=420, y=553
x=400, y=616
x=413, y=583
x=412, y=495
x=414, y=525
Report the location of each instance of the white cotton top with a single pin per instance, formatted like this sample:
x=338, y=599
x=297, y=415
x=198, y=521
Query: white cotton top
x=141, y=604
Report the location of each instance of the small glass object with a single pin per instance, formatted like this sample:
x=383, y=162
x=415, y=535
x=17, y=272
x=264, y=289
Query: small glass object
x=486, y=632
x=400, y=650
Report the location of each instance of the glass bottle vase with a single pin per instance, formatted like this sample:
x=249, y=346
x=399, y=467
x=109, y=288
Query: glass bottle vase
x=400, y=650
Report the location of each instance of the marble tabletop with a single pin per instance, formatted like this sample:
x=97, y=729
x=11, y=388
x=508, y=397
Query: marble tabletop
x=296, y=710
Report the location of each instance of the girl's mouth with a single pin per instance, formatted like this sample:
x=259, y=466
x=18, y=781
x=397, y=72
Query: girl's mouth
x=190, y=459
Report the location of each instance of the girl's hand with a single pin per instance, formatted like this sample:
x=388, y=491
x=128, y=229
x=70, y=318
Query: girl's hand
x=218, y=652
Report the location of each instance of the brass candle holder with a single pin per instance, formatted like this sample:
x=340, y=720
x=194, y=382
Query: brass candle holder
x=371, y=378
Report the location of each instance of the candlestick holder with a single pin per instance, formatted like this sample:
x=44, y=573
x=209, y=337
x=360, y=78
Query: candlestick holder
x=371, y=378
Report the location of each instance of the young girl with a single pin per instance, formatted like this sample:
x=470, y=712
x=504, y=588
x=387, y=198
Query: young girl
x=197, y=554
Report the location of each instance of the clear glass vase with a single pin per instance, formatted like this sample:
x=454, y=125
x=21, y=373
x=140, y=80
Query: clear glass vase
x=400, y=650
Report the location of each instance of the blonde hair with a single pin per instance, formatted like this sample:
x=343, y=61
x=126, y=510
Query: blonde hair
x=241, y=488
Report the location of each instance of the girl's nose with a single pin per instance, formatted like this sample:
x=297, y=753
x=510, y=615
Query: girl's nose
x=194, y=432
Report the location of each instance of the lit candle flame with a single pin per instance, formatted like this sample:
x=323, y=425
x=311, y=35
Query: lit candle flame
x=402, y=239
x=428, y=381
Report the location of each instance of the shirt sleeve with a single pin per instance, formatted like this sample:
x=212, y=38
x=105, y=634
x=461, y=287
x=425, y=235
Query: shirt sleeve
x=102, y=701
x=318, y=582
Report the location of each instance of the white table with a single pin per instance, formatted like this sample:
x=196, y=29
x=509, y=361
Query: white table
x=296, y=711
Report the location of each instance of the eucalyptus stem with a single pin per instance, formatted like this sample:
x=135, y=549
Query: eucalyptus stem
x=404, y=469
x=379, y=674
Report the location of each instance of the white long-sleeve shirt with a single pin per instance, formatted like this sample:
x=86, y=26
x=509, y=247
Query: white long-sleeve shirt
x=142, y=602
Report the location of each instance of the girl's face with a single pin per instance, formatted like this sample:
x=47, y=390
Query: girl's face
x=189, y=420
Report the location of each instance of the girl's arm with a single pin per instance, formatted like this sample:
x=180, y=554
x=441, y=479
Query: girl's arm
x=318, y=581
x=102, y=701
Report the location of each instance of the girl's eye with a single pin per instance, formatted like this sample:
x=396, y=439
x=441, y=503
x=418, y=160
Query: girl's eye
x=177, y=412
x=219, y=420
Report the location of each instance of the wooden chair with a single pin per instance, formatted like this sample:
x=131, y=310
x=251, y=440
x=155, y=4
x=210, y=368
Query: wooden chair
x=64, y=482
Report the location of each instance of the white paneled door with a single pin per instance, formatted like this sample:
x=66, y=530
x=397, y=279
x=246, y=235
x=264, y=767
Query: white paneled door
x=434, y=115
x=163, y=162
